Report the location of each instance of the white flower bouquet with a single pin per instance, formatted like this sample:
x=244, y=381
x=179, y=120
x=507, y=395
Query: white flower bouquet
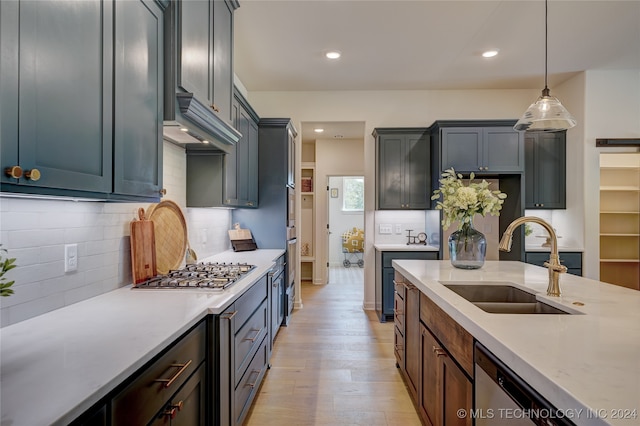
x=460, y=203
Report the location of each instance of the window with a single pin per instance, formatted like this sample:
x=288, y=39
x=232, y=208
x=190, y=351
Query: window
x=353, y=194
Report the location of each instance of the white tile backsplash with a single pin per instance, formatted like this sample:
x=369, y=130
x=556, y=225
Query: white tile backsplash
x=35, y=230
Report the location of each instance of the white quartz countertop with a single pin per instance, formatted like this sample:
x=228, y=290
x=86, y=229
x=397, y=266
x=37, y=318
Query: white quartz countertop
x=55, y=366
x=405, y=247
x=586, y=361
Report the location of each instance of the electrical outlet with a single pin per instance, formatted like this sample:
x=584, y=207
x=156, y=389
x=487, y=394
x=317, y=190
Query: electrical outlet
x=385, y=229
x=398, y=229
x=70, y=257
x=203, y=237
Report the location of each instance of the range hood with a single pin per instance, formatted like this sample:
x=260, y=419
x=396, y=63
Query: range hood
x=195, y=125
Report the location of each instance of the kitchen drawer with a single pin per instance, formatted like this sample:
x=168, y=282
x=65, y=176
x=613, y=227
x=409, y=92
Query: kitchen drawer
x=572, y=260
x=155, y=383
x=398, y=346
x=250, y=382
x=388, y=256
x=398, y=311
x=249, y=338
x=188, y=405
x=399, y=288
x=246, y=304
x=451, y=335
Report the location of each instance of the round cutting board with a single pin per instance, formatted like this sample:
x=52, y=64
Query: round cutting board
x=170, y=230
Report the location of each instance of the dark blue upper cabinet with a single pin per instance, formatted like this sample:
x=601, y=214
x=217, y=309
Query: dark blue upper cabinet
x=56, y=118
x=199, y=69
x=138, y=98
x=482, y=149
x=83, y=117
x=545, y=170
x=403, y=172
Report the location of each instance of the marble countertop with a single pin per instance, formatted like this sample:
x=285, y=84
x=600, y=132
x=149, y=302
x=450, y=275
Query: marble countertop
x=405, y=247
x=55, y=366
x=586, y=361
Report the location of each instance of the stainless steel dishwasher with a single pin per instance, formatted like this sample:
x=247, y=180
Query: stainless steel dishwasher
x=503, y=398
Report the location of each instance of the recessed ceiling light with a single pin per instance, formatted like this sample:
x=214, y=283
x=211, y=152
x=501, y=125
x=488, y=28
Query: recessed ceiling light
x=205, y=141
x=184, y=129
x=490, y=53
x=318, y=130
x=333, y=54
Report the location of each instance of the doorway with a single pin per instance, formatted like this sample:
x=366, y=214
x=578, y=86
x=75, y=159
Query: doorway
x=345, y=234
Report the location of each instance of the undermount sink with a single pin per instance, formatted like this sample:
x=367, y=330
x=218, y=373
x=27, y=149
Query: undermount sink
x=501, y=298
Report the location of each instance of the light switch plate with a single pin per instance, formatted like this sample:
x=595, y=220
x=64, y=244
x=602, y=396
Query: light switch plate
x=70, y=257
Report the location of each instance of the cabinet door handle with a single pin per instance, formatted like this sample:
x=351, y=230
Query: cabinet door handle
x=253, y=339
x=13, y=172
x=172, y=410
x=439, y=351
x=215, y=108
x=33, y=174
x=182, y=367
x=163, y=191
x=255, y=382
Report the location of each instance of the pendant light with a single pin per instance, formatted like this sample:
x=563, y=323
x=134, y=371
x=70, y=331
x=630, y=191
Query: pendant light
x=547, y=114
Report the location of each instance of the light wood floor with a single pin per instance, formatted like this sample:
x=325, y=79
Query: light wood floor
x=334, y=364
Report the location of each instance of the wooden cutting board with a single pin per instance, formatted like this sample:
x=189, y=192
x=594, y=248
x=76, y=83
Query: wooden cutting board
x=170, y=229
x=240, y=234
x=143, y=248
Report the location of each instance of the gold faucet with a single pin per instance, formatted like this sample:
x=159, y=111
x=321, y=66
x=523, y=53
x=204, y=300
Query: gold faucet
x=554, y=266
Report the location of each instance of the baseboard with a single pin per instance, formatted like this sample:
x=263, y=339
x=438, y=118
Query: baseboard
x=369, y=306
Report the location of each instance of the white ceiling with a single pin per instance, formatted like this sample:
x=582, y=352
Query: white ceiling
x=428, y=44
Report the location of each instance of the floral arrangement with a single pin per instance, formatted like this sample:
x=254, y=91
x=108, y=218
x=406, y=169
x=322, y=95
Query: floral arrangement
x=460, y=203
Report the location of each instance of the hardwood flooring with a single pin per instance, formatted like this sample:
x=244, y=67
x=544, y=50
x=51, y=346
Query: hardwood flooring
x=333, y=364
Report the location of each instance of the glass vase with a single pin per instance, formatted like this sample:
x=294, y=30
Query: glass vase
x=467, y=247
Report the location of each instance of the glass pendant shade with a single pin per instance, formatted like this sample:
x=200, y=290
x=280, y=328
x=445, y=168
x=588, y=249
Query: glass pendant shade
x=545, y=115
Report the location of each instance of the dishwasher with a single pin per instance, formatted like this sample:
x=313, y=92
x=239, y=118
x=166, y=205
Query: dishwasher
x=503, y=398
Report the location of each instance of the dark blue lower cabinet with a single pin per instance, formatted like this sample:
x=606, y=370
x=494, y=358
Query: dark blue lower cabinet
x=572, y=260
x=384, y=294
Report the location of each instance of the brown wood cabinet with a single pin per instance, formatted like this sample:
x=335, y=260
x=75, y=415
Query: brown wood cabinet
x=435, y=356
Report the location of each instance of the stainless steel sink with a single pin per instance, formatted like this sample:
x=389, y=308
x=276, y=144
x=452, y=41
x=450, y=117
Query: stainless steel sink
x=501, y=298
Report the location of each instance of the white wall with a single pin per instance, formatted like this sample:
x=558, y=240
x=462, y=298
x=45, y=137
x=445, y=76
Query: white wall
x=35, y=231
x=415, y=108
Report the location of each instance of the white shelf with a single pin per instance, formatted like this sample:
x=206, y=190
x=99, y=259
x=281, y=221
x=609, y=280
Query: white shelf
x=619, y=212
x=619, y=261
x=627, y=188
x=620, y=235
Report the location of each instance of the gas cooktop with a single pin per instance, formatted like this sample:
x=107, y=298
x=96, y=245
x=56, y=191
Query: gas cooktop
x=215, y=276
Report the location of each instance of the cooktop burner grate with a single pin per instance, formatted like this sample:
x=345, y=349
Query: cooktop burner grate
x=212, y=275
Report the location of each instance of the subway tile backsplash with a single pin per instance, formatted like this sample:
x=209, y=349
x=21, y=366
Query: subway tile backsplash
x=35, y=231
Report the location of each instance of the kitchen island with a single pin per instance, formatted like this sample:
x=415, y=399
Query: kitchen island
x=57, y=365
x=586, y=363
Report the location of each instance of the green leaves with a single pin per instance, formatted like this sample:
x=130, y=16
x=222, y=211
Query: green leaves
x=6, y=264
x=460, y=203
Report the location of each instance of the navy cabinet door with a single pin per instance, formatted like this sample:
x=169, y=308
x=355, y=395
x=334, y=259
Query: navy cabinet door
x=403, y=171
x=138, y=98
x=462, y=149
x=545, y=170
x=195, y=60
x=503, y=150
x=223, y=58
x=59, y=116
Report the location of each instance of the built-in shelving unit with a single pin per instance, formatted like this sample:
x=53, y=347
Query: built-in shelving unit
x=307, y=219
x=620, y=219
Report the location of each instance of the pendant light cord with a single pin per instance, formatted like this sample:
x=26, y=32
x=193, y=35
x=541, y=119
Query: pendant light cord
x=546, y=38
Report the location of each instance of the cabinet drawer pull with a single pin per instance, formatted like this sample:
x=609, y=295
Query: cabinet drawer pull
x=253, y=385
x=215, y=108
x=182, y=368
x=439, y=351
x=229, y=315
x=253, y=339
